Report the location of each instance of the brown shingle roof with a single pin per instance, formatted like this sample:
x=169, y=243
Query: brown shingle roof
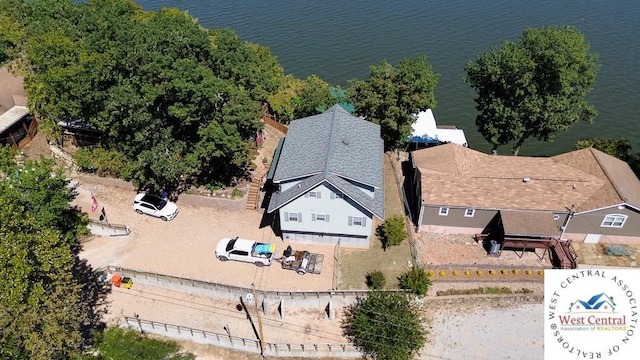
x=457, y=176
x=622, y=179
x=529, y=223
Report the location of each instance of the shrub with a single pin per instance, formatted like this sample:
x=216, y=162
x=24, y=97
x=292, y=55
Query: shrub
x=504, y=272
x=417, y=280
x=392, y=232
x=528, y=272
x=443, y=273
x=215, y=186
x=466, y=273
x=431, y=273
x=516, y=271
x=524, y=291
x=454, y=273
x=541, y=272
x=375, y=280
x=479, y=272
x=237, y=194
x=492, y=272
x=265, y=160
x=100, y=161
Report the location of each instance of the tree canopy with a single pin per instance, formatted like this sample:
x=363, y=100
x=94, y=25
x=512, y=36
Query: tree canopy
x=535, y=87
x=385, y=325
x=181, y=103
x=47, y=304
x=301, y=98
x=178, y=103
x=393, y=96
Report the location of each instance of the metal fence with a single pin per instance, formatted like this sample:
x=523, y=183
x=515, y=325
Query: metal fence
x=403, y=196
x=230, y=292
x=343, y=350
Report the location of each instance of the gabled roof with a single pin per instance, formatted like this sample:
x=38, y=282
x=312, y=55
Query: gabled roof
x=335, y=147
x=580, y=180
x=621, y=178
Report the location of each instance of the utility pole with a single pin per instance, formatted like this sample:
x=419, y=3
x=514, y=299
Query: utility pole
x=258, y=332
x=262, y=346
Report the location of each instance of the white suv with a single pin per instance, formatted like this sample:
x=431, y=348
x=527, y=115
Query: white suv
x=250, y=251
x=155, y=206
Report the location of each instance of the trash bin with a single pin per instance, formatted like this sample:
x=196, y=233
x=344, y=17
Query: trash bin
x=494, y=247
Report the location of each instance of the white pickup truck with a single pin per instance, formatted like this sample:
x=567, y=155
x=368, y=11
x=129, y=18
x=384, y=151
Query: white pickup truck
x=250, y=251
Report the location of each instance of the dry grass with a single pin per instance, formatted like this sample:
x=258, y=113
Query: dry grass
x=355, y=264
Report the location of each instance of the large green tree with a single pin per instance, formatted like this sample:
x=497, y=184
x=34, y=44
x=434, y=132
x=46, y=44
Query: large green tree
x=392, y=97
x=179, y=102
x=46, y=306
x=385, y=325
x=535, y=87
x=298, y=98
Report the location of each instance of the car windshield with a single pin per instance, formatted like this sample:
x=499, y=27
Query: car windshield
x=231, y=244
x=155, y=201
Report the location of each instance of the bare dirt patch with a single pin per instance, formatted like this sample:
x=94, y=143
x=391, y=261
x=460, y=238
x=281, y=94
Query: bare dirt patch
x=459, y=250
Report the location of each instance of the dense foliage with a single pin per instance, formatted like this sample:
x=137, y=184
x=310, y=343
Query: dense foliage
x=48, y=300
x=301, y=98
x=385, y=325
x=392, y=232
x=181, y=103
x=375, y=280
x=123, y=344
x=416, y=280
x=393, y=96
x=533, y=88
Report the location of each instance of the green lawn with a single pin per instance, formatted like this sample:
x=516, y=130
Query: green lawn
x=356, y=263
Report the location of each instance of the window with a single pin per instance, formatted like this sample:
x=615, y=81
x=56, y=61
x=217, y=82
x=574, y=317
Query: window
x=614, y=221
x=469, y=212
x=314, y=194
x=337, y=195
x=320, y=217
x=291, y=216
x=357, y=221
x=444, y=211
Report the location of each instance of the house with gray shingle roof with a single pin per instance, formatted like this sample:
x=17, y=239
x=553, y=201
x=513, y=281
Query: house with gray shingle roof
x=328, y=179
x=584, y=195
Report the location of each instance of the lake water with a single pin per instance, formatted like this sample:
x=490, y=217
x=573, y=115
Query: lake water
x=339, y=40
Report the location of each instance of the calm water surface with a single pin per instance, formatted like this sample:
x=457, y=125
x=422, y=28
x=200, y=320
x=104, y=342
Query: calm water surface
x=339, y=40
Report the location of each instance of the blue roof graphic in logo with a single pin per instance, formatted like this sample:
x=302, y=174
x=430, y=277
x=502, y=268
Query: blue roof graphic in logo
x=597, y=303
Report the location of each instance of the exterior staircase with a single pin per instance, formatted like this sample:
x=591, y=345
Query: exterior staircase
x=253, y=197
x=564, y=254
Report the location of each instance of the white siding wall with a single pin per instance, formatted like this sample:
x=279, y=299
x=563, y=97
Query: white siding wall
x=341, y=215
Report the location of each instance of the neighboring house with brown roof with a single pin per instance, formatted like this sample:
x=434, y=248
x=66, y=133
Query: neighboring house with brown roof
x=583, y=195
